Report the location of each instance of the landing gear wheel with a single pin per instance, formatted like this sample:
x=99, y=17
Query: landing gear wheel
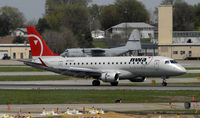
x=164, y=83
x=96, y=83
x=114, y=83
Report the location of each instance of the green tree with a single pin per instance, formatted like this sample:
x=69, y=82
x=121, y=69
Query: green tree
x=42, y=25
x=10, y=19
x=58, y=41
x=19, y=39
x=109, y=17
x=95, y=13
x=124, y=11
x=51, y=5
x=183, y=17
x=76, y=18
x=197, y=17
x=132, y=11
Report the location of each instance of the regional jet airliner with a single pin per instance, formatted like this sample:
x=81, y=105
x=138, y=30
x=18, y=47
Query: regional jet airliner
x=106, y=69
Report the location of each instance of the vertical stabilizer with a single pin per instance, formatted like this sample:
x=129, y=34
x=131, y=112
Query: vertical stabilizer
x=38, y=46
x=134, y=41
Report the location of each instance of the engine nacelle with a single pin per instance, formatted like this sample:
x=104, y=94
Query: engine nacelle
x=137, y=79
x=110, y=77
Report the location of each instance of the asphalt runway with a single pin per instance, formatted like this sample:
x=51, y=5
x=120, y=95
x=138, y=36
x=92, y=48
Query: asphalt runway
x=102, y=87
x=87, y=84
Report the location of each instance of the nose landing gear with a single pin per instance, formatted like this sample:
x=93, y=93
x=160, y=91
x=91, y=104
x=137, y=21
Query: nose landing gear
x=164, y=83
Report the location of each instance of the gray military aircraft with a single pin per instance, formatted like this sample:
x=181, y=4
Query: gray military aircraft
x=106, y=69
x=132, y=44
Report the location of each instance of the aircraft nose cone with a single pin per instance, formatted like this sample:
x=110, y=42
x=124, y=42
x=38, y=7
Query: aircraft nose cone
x=181, y=70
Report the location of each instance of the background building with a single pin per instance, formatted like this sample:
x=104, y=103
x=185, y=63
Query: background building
x=15, y=51
x=177, y=44
x=146, y=30
x=98, y=34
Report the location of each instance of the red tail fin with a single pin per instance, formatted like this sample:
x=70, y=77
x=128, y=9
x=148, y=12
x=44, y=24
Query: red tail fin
x=38, y=46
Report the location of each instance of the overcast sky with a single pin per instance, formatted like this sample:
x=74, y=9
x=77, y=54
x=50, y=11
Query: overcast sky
x=34, y=9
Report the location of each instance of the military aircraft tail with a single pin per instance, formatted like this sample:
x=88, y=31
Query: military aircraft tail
x=134, y=41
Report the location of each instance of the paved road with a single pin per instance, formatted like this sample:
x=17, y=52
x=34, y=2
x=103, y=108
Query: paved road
x=38, y=108
x=102, y=87
x=86, y=84
x=89, y=81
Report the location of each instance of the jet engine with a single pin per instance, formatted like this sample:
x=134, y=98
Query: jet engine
x=110, y=77
x=137, y=79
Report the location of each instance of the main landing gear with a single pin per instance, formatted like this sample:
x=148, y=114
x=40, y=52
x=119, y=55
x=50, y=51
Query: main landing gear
x=113, y=83
x=164, y=83
x=96, y=83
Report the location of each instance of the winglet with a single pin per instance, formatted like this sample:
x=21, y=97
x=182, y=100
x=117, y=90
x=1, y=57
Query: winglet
x=42, y=62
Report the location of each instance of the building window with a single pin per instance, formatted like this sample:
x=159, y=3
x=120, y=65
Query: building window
x=14, y=55
x=189, y=41
x=190, y=53
x=21, y=55
x=175, y=52
x=30, y=54
x=182, y=52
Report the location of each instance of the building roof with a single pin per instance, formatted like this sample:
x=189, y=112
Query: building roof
x=14, y=45
x=22, y=29
x=133, y=25
x=6, y=40
x=182, y=44
x=95, y=31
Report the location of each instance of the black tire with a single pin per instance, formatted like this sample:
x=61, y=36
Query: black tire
x=164, y=84
x=96, y=83
x=187, y=105
x=114, y=83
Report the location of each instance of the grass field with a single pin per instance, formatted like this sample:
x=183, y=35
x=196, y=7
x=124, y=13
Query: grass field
x=194, y=68
x=20, y=69
x=188, y=75
x=99, y=44
x=94, y=96
x=34, y=78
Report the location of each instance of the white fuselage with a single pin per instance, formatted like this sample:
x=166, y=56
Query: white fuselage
x=128, y=67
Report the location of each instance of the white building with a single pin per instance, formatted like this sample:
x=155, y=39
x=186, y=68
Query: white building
x=19, y=32
x=146, y=30
x=98, y=34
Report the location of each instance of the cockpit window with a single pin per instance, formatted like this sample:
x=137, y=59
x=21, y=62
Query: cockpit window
x=173, y=61
x=166, y=62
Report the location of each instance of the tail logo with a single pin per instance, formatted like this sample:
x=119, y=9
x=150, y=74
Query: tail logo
x=35, y=41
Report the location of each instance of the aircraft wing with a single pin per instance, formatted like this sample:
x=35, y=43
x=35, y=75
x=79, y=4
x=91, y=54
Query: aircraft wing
x=70, y=71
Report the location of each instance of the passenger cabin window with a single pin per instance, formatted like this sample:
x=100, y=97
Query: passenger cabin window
x=166, y=62
x=173, y=61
